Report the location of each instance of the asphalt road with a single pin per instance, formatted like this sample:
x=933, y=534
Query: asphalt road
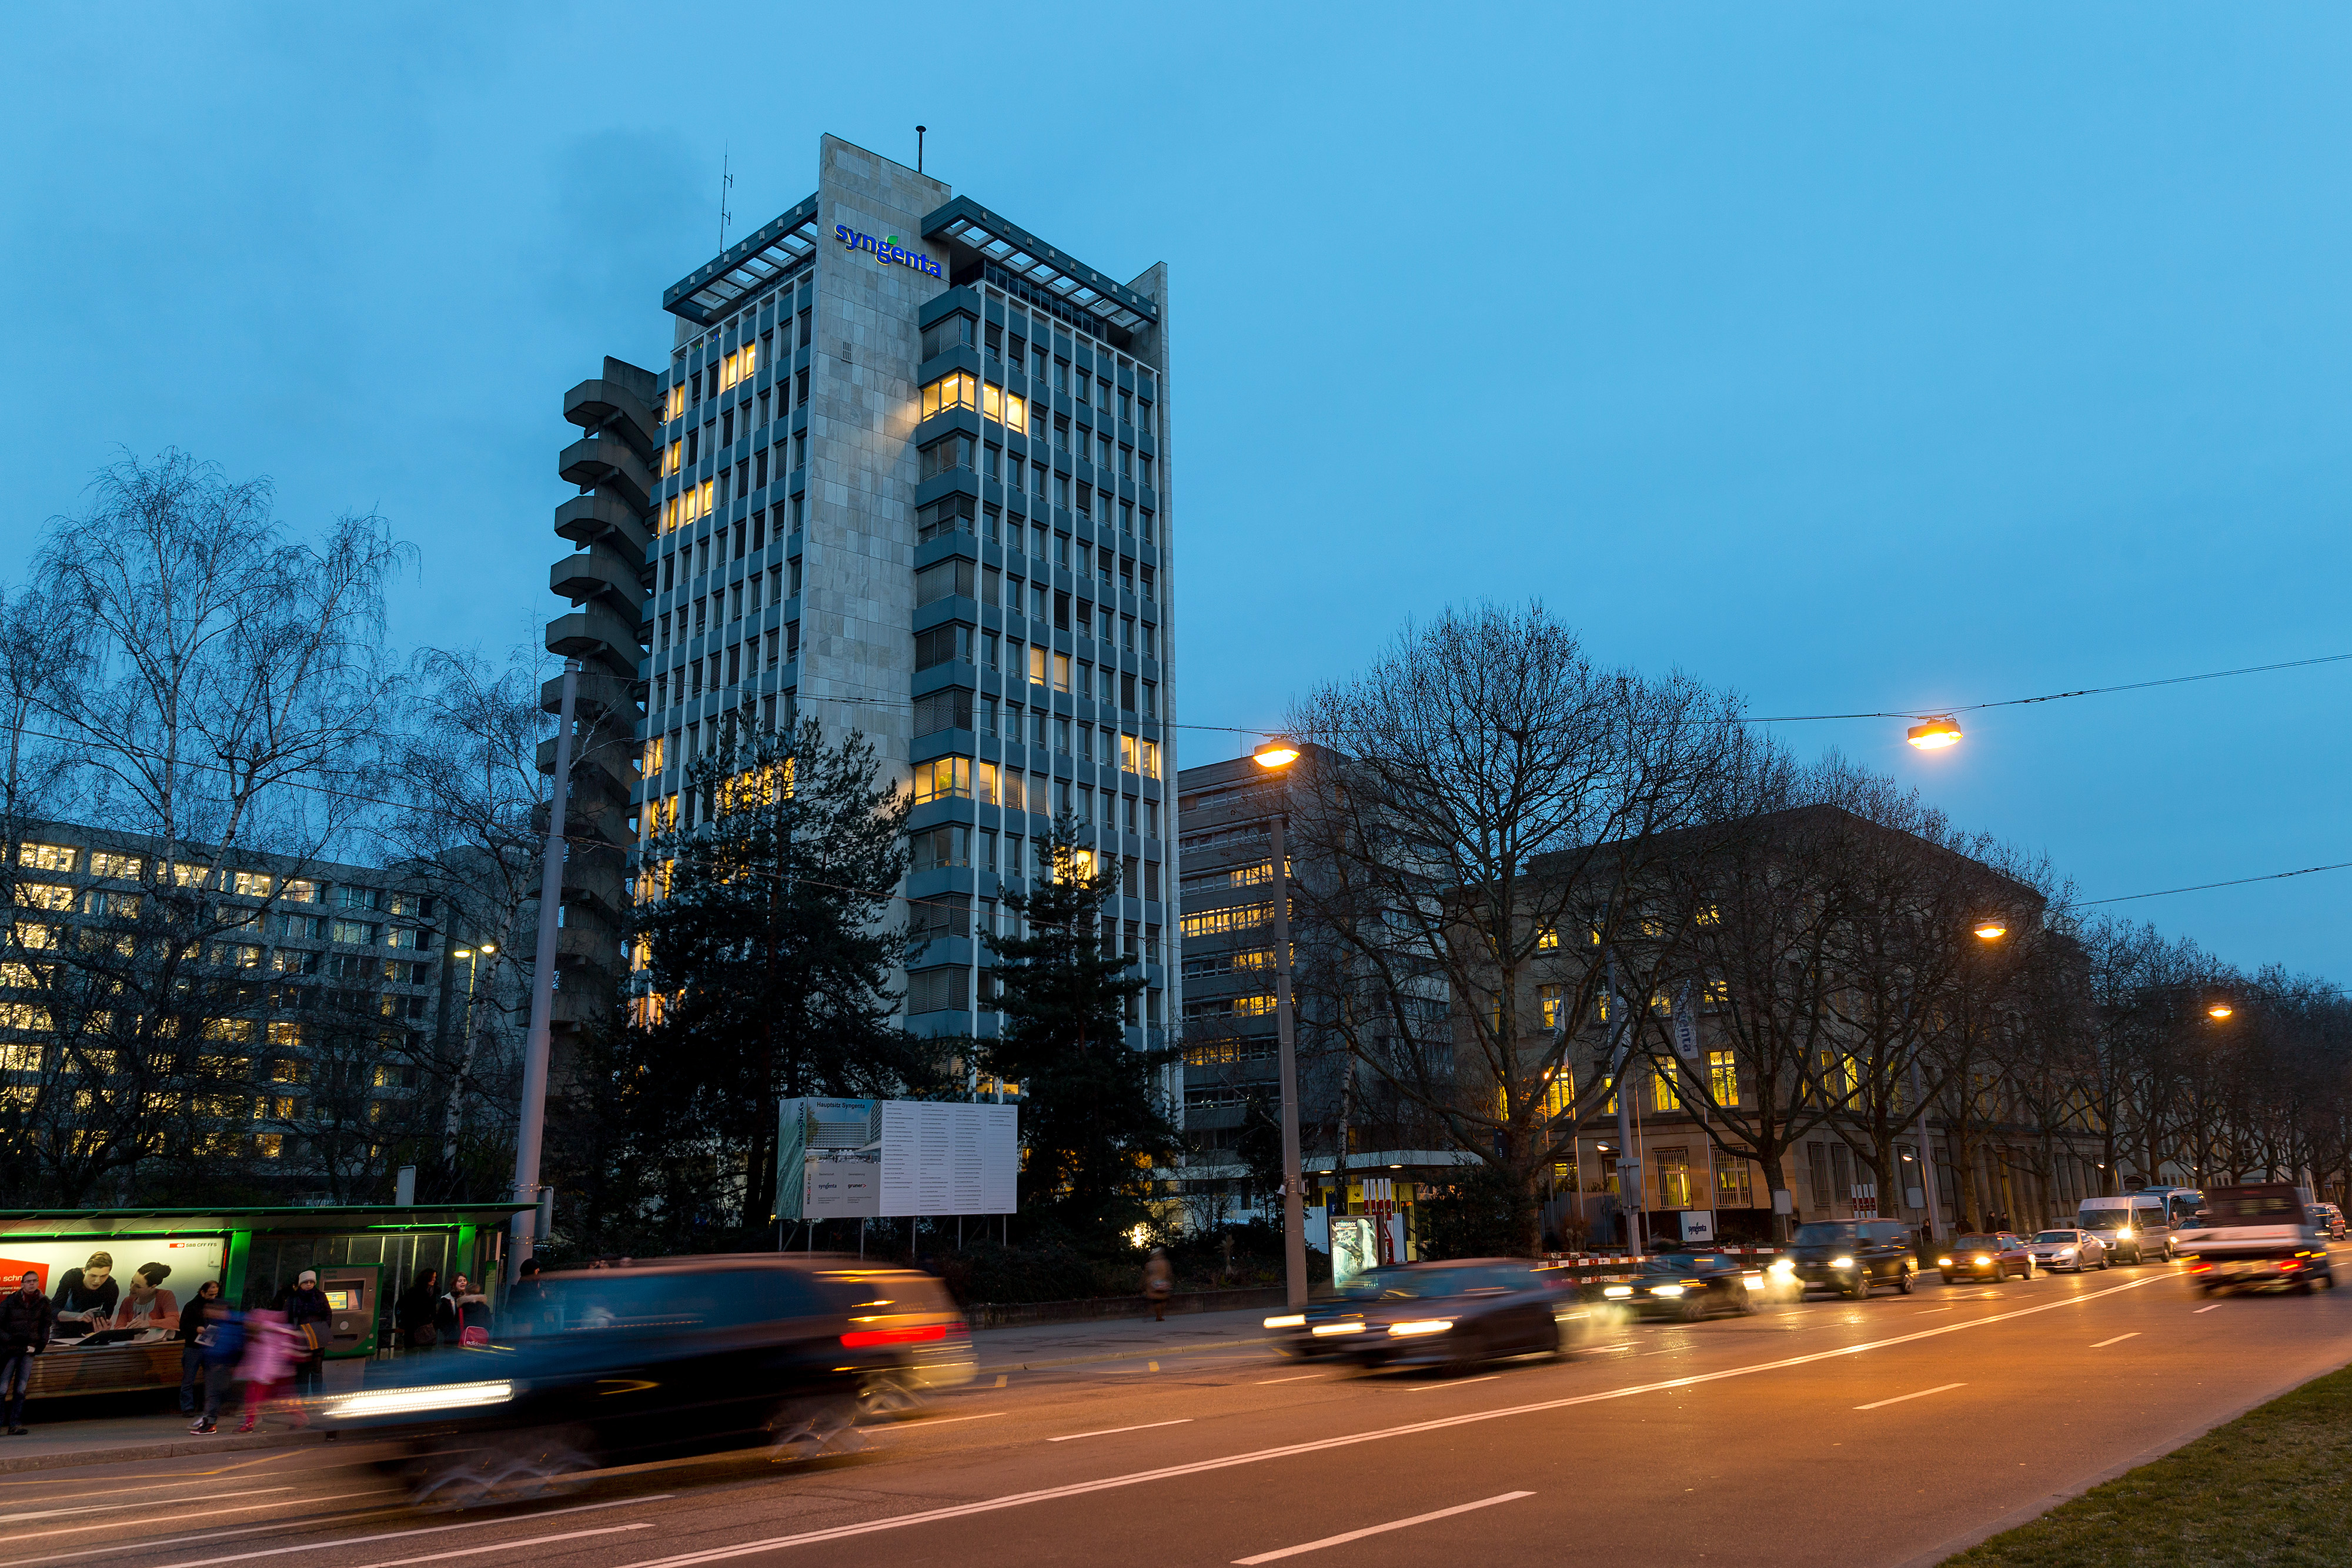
x=1891, y=1431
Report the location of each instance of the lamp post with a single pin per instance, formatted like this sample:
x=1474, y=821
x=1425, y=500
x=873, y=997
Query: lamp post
x=532, y=1125
x=1275, y=756
x=1992, y=928
x=473, y=957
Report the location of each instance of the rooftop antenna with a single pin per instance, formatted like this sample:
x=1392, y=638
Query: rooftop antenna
x=918, y=147
x=726, y=181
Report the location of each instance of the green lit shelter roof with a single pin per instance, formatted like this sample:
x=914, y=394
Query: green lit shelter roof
x=31, y=1222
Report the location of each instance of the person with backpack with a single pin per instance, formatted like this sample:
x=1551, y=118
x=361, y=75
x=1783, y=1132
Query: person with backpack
x=272, y=1351
x=220, y=1344
x=412, y=1316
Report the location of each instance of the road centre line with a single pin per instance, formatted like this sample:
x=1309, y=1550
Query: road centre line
x=2216, y=1306
x=330, y=1546
x=1107, y=1431
x=946, y=1420
x=117, y=1506
x=1454, y=1382
x=1321, y=1445
x=1380, y=1529
x=162, y=1541
x=1923, y=1394
x=1294, y=1377
x=2117, y=1340
x=508, y=1545
x=208, y=1513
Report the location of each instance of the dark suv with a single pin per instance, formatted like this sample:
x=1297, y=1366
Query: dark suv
x=657, y=1359
x=1850, y=1256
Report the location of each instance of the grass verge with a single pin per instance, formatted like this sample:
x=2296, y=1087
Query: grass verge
x=2273, y=1487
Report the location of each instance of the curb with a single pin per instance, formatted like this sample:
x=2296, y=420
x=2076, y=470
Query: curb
x=11, y=1464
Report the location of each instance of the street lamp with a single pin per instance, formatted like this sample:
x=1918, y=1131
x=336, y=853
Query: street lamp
x=2219, y=1010
x=1991, y=930
x=1275, y=754
x=1933, y=735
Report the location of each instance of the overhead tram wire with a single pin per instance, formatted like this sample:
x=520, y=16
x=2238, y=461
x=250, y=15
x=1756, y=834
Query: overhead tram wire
x=2204, y=886
x=2057, y=696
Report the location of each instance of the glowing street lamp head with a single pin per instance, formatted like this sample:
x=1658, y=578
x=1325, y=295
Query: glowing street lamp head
x=1991, y=930
x=1933, y=735
x=1275, y=753
x=2219, y=1010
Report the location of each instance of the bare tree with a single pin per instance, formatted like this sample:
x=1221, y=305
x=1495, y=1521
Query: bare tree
x=1493, y=780
x=218, y=698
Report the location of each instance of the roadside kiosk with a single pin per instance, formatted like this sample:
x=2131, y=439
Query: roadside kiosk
x=118, y=1277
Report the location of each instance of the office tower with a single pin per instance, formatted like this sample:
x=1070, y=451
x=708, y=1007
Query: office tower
x=906, y=471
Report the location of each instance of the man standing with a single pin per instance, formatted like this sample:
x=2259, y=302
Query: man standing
x=306, y=1314
x=26, y=1319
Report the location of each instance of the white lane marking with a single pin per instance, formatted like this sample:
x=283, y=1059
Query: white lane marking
x=2215, y=1307
x=1107, y=1431
x=2117, y=1340
x=400, y=1534
x=112, y=1507
x=1294, y=1377
x=1462, y=1383
x=1320, y=1445
x=1943, y=1388
x=1380, y=1529
x=1924, y=1311
x=508, y=1545
x=204, y=1513
x=949, y=1420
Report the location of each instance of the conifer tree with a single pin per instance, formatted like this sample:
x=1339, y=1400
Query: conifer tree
x=766, y=957
x=1092, y=1117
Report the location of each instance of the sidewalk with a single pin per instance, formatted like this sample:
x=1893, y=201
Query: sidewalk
x=58, y=1439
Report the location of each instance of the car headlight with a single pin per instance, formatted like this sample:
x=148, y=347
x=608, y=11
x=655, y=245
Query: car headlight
x=1983, y=1259
x=1782, y=1266
x=1943, y=1262
x=415, y=1401
x=1616, y=1292
x=2065, y=1252
x=2124, y=1234
x=1287, y=1321
x=1324, y=1329
x=1668, y=1290
x=1421, y=1326
x=1841, y=1262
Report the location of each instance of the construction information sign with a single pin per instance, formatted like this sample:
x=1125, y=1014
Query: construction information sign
x=853, y=1159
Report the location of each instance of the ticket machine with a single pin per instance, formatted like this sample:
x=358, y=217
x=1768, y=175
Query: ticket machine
x=351, y=1307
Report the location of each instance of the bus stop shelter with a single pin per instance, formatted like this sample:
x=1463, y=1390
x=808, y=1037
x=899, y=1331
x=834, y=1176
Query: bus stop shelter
x=118, y=1277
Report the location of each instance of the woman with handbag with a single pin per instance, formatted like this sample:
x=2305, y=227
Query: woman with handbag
x=307, y=1312
x=413, y=1315
x=464, y=1317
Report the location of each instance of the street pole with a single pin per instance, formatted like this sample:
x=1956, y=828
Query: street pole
x=1294, y=1206
x=542, y=989
x=1928, y=1183
x=1629, y=1168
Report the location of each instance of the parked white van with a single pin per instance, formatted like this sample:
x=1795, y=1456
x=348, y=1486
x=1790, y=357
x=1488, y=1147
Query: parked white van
x=2134, y=1226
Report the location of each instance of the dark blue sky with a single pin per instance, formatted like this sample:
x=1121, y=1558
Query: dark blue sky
x=1855, y=356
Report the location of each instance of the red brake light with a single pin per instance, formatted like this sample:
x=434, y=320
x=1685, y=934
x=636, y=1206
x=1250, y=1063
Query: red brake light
x=862, y=1338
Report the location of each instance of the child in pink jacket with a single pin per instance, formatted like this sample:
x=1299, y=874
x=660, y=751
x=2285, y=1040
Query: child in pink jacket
x=271, y=1349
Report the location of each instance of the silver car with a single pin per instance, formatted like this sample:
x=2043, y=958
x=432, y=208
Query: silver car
x=2072, y=1250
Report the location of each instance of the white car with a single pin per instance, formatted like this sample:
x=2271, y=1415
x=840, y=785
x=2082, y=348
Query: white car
x=2072, y=1250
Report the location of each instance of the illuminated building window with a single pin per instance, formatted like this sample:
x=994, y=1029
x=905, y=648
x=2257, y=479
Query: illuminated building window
x=958, y=390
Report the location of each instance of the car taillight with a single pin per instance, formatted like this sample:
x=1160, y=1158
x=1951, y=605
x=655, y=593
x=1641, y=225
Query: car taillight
x=860, y=1339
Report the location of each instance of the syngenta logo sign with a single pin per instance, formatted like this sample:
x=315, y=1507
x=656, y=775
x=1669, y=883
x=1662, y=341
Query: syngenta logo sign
x=885, y=249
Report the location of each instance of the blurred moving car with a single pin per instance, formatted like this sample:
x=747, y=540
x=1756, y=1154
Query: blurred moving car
x=1993, y=1256
x=659, y=1359
x=2328, y=1219
x=1462, y=1312
x=1687, y=1286
x=2072, y=1250
x=1327, y=1322
x=2261, y=1233
x=1850, y=1256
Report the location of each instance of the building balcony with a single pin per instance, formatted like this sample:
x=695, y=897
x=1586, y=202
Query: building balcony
x=600, y=692
x=605, y=521
x=606, y=464
x=601, y=403
x=598, y=636
x=592, y=576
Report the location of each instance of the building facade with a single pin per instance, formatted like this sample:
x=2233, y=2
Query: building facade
x=907, y=471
